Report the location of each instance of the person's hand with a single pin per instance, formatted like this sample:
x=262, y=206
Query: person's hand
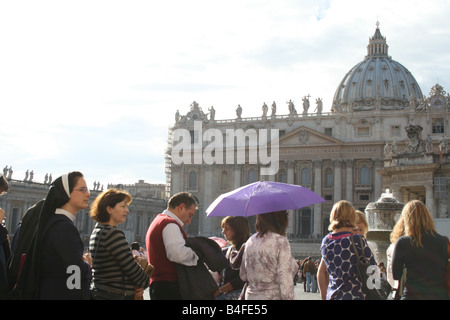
x=2, y=214
x=87, y=258
x=138, y=293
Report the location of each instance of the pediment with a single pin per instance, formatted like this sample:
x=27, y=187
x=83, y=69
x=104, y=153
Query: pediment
x=304, y=136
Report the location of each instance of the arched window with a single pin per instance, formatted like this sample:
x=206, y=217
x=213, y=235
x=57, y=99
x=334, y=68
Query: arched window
x=306, y=177
x=364, y=176
x=192, y=179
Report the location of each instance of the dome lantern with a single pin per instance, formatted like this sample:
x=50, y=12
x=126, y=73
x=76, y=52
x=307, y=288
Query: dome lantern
x=377, y=44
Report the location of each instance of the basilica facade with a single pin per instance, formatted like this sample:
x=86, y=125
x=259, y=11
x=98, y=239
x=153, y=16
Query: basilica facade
x=381, y=133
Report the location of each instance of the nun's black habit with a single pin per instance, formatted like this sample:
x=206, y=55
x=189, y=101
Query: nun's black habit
x=26, y=264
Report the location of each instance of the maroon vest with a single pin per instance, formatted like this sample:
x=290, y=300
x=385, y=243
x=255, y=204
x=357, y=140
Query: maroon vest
x=164, y=268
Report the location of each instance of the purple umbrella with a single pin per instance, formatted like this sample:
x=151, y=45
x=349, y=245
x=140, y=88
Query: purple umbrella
x=262, y=197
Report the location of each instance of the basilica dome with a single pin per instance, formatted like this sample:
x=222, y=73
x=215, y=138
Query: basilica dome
x=377, y=82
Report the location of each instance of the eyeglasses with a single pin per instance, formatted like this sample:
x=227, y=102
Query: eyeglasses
x=83, y=189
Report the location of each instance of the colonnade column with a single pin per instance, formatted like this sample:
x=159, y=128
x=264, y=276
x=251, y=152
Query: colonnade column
x=290, y=180
x=337, y=181
x=237, y=176
x=349, y=180
x=317, y=218
x=177, y=179
x=290, y=171
x=205, y=226
x=378, y=180
x=405, y=198
x=429, y=199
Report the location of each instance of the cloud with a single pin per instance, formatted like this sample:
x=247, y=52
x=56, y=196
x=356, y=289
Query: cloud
x=119, y=149
x=96, y=84
x=323, y=7
x=177, y=87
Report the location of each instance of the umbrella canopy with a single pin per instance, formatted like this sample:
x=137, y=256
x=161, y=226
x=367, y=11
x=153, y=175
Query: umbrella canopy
x=262, y=197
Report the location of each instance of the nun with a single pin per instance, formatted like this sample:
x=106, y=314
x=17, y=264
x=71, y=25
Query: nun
x=63, y=272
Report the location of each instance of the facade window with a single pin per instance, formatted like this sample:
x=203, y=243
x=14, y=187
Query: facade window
x=364, y=177
x=252, y=176
x=440, y=188
x=438, y=126
x=192, y=179
x=328, y=178
x=363, y=131
x=304, y=222
x=329, y=132
x=306, y=177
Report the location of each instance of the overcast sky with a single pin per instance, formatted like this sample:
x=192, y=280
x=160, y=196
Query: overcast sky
x=94, y=85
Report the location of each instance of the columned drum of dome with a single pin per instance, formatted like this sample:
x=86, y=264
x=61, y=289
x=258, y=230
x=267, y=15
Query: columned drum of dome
x=377, y=83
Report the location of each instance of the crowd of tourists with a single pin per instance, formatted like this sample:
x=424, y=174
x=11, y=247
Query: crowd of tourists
x=46, y=258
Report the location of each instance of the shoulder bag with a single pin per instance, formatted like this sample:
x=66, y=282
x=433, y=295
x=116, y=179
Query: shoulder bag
x=380, y=292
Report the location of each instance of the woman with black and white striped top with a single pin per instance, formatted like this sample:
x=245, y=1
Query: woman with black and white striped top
x=115, y=272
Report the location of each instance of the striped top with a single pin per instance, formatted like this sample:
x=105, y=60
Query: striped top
x=113, y=266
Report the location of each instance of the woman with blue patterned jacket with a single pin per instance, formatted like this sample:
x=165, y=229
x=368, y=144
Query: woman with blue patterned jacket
x=337, y=275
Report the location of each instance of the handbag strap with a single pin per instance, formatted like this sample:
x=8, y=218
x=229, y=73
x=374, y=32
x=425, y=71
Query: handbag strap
x=354, y=246
x=359, y=272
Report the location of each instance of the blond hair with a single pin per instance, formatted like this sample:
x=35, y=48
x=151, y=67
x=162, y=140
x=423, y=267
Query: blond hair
x=361, y=218
x=418, y=221
x=398, y=231
x=342, y=215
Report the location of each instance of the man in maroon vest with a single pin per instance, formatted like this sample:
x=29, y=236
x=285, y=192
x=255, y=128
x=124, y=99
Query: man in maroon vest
x=166, y=246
